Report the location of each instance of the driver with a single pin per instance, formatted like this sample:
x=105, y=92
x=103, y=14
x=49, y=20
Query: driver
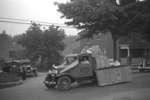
x=69, y=60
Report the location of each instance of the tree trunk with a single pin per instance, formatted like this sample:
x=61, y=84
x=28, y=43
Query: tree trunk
x=42, y=62
x=114, y=48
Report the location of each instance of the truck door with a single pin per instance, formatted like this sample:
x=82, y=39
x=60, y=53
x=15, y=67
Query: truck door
x=85, y=66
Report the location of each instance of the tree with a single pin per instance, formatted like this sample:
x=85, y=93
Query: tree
x=102, y=16
x=44, y=44
x=141, y=17
x=72, y=46
x=142, y=20
x=5, y=44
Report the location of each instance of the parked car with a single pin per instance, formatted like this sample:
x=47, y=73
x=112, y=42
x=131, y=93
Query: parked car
x=29, y=70
x=18, y=66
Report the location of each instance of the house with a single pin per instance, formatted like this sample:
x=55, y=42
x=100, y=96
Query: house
x=133, y=50
x=130, y=49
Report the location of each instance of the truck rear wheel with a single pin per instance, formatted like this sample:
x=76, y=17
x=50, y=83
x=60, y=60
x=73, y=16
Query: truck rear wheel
x=64, y=83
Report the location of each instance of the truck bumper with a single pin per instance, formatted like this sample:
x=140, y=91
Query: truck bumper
x=50, y=82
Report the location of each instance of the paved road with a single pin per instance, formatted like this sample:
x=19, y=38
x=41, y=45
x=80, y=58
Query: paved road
x=33, y=89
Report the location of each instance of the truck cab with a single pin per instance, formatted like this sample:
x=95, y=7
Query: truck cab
x=75, y=68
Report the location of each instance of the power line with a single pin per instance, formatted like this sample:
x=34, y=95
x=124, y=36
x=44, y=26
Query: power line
x=27, y=22
x=14, y=22
x=6, y=18
x=16, y=19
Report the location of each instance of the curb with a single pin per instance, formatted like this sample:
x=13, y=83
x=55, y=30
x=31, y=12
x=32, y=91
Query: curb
x=10, y=84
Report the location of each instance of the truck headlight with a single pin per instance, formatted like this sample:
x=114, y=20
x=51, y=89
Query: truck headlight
x=55, y=71
x=52, y=71
x=52, y=75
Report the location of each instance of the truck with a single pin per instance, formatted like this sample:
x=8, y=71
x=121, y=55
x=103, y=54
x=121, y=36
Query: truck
x=91, y=65
x=75, y=68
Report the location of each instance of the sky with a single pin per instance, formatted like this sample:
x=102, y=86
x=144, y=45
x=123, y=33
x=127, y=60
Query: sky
x=37, y=10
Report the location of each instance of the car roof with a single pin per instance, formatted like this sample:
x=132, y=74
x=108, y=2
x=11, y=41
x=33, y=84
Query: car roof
x=22, y=61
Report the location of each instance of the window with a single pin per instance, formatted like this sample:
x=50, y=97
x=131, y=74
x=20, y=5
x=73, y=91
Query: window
x=123, y=53
x=69, y=60
x=136, y=53
x=84, y=60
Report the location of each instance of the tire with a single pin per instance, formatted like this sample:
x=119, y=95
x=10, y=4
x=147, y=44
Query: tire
x=35, y=74
x=64, y=83
x=49, y=87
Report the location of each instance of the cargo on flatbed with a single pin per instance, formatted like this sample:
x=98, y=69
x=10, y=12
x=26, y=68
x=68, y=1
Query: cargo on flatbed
x=113, y=75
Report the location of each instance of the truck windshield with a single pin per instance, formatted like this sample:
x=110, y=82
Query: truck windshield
x=69, y=60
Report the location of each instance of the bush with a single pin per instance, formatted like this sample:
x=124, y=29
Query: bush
x=8, y=77
x=6, y=69
x=2, y=63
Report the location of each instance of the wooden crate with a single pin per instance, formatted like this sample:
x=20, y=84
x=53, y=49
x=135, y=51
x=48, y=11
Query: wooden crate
x=116, y=75
x=102, y=62
x=126, y=74
x=103, y=77
x=113, y=75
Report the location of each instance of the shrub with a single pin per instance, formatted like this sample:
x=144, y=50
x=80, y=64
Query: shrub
x=8, y=77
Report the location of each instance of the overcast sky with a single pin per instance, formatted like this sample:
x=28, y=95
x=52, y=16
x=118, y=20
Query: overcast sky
x=41, y=10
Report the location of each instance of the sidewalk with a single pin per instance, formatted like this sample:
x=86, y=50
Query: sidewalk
x=141, y=94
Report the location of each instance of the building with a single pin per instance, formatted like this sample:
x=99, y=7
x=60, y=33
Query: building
x=130, y=50
x=133, y=51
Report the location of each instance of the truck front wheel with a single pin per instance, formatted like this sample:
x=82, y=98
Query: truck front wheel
x=64, y=83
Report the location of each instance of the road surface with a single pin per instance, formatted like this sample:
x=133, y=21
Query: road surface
x=34, y=89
